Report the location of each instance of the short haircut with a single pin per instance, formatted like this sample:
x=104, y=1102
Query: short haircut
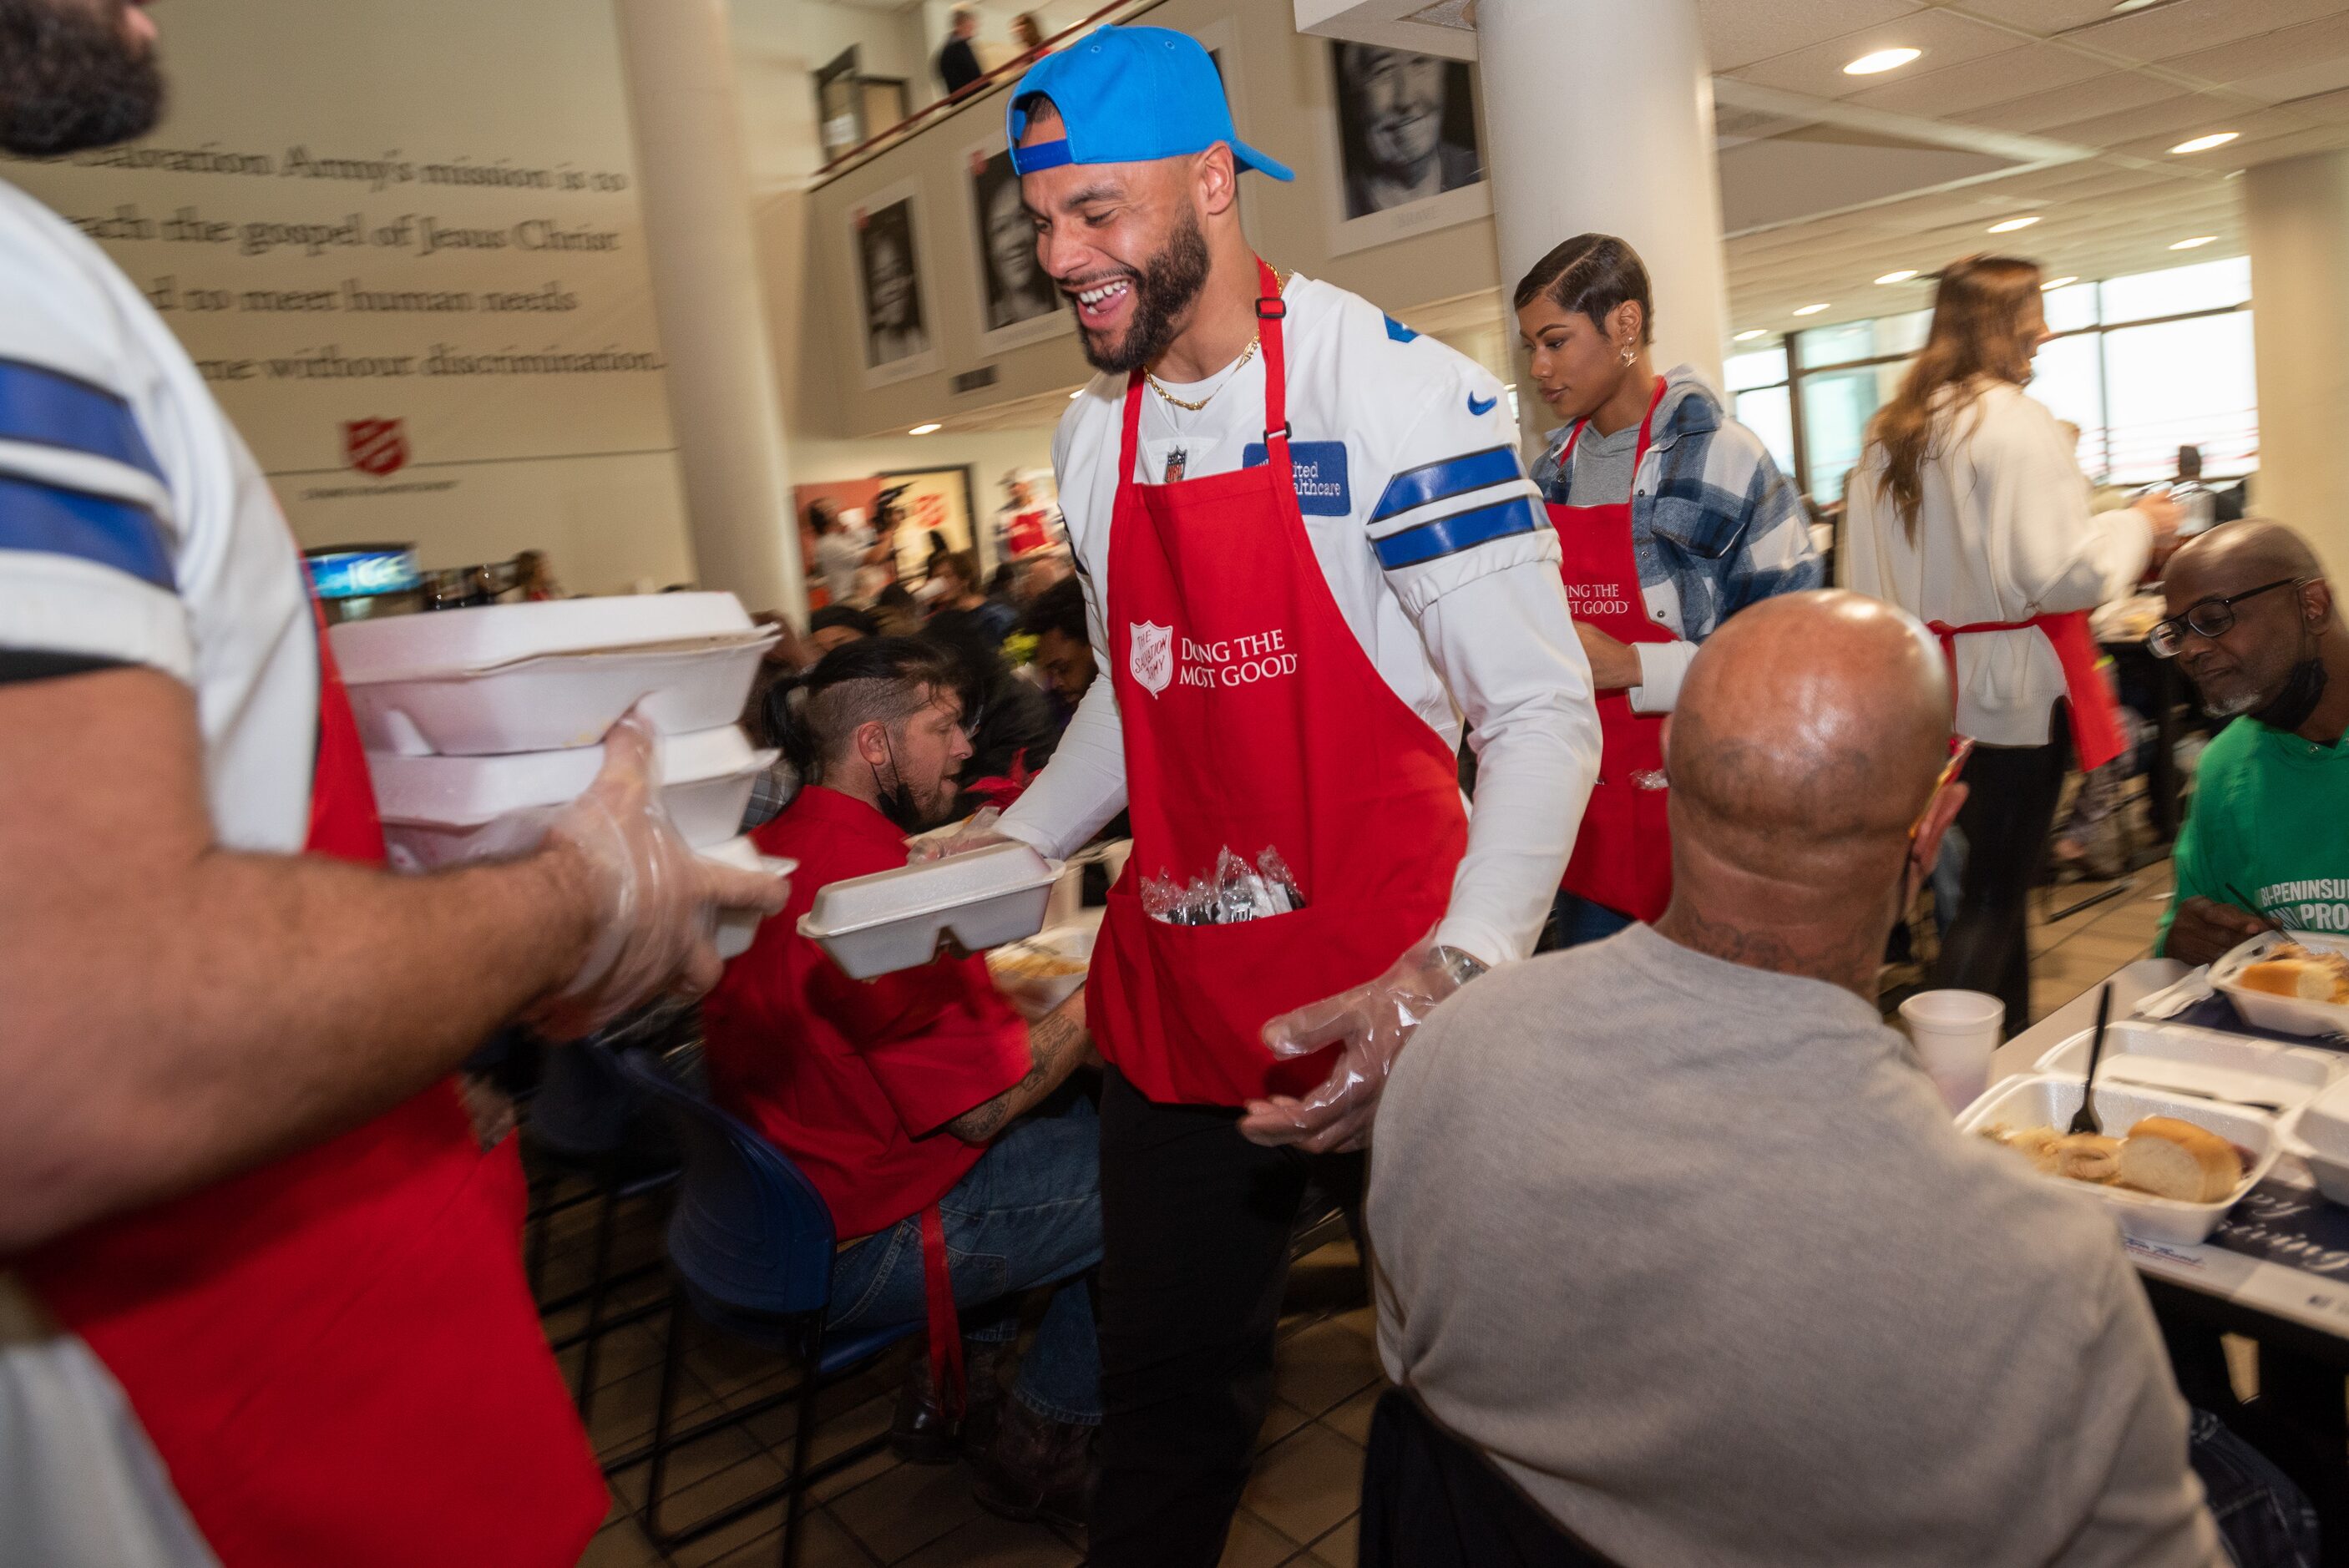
x=847, y=616
x=888, y=679
x=1592, y=275
x=1060, y=608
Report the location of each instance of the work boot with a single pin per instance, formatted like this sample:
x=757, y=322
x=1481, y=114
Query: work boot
x=1036, y=1468
x=920, y=1432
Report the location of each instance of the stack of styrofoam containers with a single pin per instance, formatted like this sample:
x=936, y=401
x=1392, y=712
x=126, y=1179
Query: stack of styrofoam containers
x=472, y=720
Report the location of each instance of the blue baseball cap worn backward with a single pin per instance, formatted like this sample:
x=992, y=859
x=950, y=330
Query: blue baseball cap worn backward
x=1128, y=95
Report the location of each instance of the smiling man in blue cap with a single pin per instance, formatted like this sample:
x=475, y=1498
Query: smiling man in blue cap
x=1309, y=553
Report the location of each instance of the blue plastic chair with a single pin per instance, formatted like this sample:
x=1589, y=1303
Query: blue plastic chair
x=750, y=1253
x=587, y=1120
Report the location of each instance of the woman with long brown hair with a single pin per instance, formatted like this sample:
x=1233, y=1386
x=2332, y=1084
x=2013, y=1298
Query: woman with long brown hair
x=1967, y=509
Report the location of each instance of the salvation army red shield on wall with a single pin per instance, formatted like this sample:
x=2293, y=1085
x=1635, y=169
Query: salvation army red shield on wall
x=377, y=446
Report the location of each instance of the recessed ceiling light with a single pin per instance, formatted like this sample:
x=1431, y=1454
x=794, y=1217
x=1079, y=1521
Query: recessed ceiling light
x=2205, y=143
x=2197, y=243
x=2124, y=6
x=1881, y=61
x=1077, y=394
x=2054, y=284
x=1750, y=334
x=2012, y=224
x=1810, y=310
x=926, y=429
x=1902, y=276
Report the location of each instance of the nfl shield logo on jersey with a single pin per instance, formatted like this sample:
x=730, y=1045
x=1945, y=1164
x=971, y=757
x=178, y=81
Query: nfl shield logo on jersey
x=377, y=446
x=1152, y=657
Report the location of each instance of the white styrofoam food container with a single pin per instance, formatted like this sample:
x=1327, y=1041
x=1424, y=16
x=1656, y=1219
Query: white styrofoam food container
x=2288, y=1014
x=894, y=920
x=1034, y=998
x=738, y=927
x=401, y=647
x=2040, y=1099
x=2177, y=1058
x=442, y=810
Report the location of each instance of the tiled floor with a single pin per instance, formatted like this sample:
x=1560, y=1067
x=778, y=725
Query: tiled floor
x=1299, y=1510
x=1300, y=1507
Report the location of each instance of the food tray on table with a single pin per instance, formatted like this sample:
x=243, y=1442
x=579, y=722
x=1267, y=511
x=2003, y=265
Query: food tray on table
x=2042, y=1099
x=439, y=810
x=738, y=927
x=1040, y=972
x=893, y=920
x=2239, y=1070
x=2269, y=1010
x=537, y=677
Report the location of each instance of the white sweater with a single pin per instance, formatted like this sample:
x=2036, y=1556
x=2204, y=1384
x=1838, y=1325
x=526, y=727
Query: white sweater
x=2003, y=533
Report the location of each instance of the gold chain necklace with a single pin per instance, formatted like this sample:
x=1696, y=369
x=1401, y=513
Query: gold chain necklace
x=1237, y=366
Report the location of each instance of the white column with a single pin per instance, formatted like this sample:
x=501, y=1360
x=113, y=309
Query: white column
x=1601, y=119
x=2296, y=212
x=722, y=395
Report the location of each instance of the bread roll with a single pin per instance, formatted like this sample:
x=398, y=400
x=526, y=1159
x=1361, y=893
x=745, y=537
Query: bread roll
x=2174, y=1158
x=2309, y=981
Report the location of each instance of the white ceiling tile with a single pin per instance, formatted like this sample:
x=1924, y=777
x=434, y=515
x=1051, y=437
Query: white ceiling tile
x=2040, y=16
x=1968, y=84
x=2106, y=94
x=2184, y=114
x=2270, y=52
x=1740, y=32
x=2329, y=109
x=2187, y=27
x=1817, y=69
x=2302, y=81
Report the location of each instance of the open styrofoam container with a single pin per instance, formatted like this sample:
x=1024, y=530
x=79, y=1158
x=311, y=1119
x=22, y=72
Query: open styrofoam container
x=738, y=927
x=1036, y=997
x=2042, y=1099
x=557, y=700
x=446, y=642
x=436, y=810
x=2289, y=1015
x=2205, y=1062
x=893, y=920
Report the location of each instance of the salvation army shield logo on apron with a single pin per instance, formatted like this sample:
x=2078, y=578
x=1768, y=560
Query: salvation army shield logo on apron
x=1151, y=658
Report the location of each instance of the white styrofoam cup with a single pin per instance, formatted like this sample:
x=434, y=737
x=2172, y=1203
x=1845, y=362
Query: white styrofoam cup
x=1955, y=1033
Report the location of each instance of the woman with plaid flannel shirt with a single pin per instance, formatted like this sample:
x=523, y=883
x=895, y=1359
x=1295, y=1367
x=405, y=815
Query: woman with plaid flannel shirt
x=1713, y=526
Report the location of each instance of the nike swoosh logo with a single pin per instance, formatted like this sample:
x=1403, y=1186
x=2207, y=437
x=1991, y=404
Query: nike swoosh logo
x=1479, y=409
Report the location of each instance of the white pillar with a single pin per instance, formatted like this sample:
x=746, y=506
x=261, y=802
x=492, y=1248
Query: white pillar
x=722, y=395
x=1601, y=119
x=2296, y=212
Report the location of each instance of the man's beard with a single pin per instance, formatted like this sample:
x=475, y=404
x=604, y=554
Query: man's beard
x=1163, y=292
x=71, y=79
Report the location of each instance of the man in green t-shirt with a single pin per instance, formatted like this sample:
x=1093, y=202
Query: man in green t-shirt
x=2255, y=625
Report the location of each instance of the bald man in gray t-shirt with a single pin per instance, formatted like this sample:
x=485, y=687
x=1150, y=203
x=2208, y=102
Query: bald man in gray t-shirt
x=1673, y=1230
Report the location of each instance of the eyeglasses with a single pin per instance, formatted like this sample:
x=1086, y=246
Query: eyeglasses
x=2208, y=618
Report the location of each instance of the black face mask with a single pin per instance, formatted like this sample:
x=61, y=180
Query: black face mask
x=2302, y=690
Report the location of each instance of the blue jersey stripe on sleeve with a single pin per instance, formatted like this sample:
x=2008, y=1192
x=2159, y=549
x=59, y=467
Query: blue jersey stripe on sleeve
x=50, y=521
x=1453, y=476
x=1461, y=531
x=48, y=409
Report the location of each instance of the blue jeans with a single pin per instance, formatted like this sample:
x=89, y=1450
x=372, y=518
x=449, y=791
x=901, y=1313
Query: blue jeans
x=1575, y=920
x=2264, y=1519
x=1028, y=1214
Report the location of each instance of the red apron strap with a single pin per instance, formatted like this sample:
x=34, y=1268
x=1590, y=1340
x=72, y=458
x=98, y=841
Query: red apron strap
x=1647, y=427
x=2096, y=720
x=1270, y=308
x=1130, y=442
x=945, y=1323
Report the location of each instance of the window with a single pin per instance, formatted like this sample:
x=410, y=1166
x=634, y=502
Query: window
x=2143, y=364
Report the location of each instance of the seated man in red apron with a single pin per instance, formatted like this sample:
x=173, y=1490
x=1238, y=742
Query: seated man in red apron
x=261, y=1297
x=1307, y=543
x=905, y=1099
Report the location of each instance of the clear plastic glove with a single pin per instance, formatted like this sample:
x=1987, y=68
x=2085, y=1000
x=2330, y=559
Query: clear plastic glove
x=654, y=903
x=1369, y=1024
x=975, y=831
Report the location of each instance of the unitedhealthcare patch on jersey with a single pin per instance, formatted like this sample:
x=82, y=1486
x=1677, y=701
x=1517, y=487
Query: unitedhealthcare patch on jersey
x=1320, y=468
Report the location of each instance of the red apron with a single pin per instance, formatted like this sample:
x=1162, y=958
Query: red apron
x=336, y=1354
x=1254, y=719
x=1623, y=856
x=2096, y=735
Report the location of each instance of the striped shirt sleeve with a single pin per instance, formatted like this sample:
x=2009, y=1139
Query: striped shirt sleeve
x=1455, y=503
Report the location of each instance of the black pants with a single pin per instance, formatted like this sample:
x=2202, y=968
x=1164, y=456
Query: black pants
x=2009, y=810
x=1196, y=1226
x=1430, y=1500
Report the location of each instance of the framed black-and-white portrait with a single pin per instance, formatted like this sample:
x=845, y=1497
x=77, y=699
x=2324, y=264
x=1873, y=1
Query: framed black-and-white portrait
x=1409, y=158
x=886, y=236
x=1018, y=304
